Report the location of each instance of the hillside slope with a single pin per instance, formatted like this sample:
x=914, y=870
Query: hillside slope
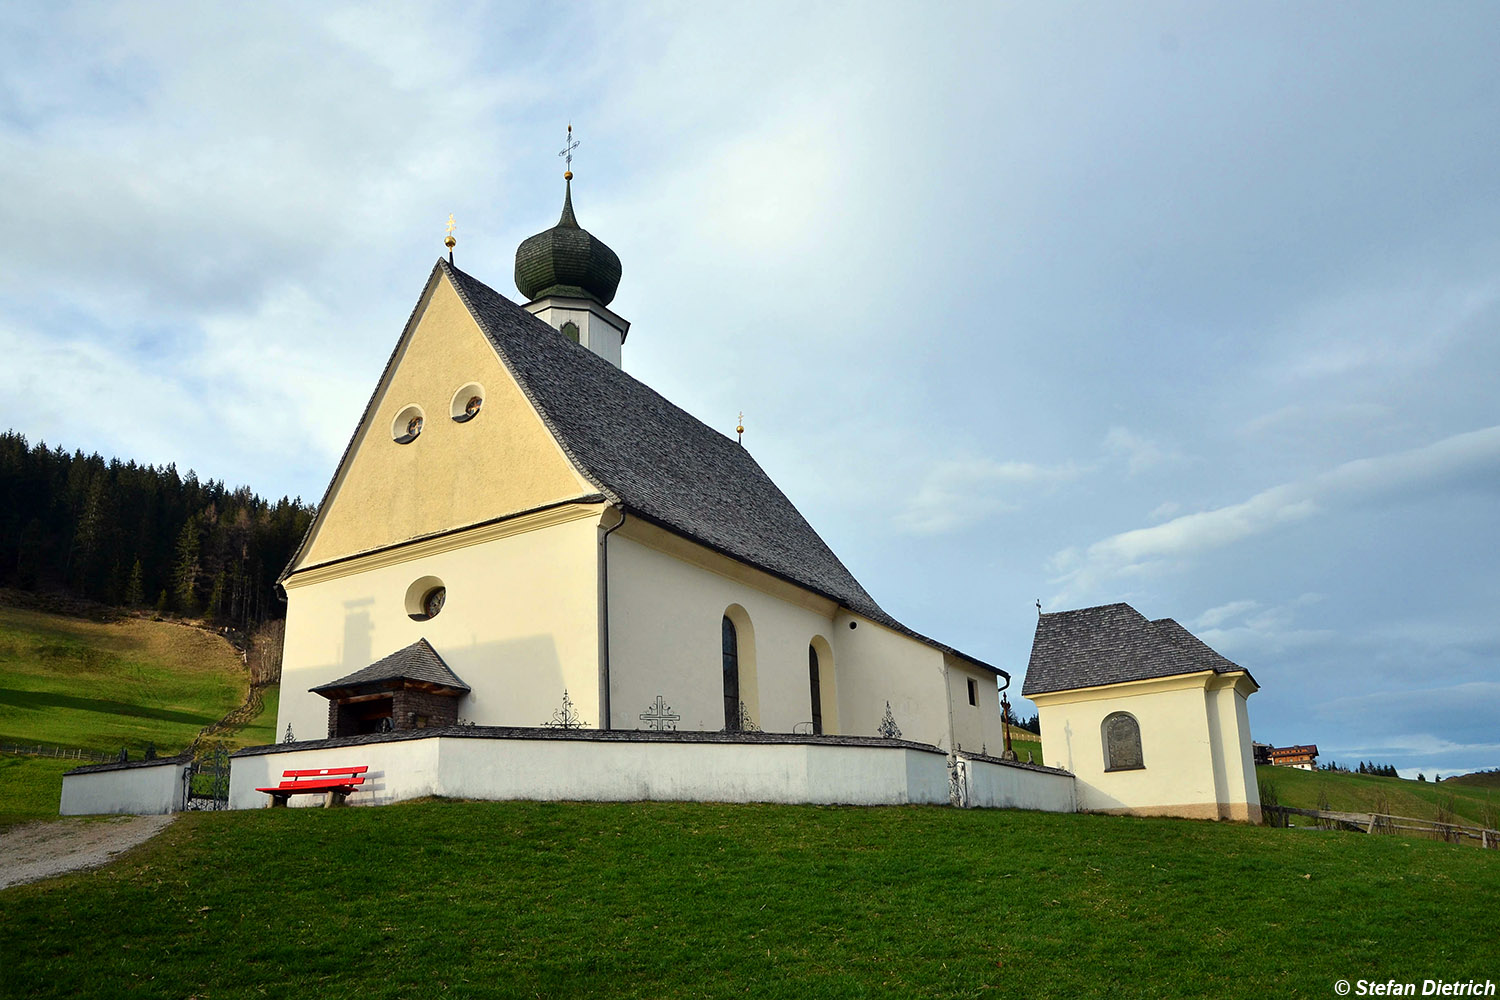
x=101, y=686
x=1473, y=804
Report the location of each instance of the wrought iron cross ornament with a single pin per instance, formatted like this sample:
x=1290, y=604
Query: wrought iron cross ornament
x=567, y=152
x=660, y=716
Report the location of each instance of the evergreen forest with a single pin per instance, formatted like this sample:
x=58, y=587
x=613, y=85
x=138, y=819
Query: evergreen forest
x=141, y=536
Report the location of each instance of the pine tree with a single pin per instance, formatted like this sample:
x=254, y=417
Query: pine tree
x=185, y=578
x=135, y=590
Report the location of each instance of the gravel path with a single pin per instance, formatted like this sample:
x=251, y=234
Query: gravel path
x=34, y=851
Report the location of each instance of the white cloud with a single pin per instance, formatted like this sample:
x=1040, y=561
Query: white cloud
x=1164, y=510
x=1139, y=452
x=1180, y=541
x=957, y=493
x=1214, y=617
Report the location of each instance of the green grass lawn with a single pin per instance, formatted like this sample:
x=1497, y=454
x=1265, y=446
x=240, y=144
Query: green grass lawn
x=1476, y=805
x=71, y=682
x=694, y=900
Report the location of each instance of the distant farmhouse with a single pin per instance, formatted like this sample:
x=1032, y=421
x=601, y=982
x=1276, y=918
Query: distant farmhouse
x=1304, y=758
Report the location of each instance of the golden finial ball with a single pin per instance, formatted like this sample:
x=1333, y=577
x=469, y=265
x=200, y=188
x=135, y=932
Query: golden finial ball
x=567, y=175
x=450, y=242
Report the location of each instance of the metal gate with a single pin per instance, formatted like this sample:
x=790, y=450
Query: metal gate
x=205, y=784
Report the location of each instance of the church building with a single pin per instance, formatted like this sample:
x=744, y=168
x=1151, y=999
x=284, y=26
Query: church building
x=521, y=534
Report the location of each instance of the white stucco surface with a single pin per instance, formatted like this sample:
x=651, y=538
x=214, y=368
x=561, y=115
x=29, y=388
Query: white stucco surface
x=142, y=790
x=1006, y=786
x=613, y=770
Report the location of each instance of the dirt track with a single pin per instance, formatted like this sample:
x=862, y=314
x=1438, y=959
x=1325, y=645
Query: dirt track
x=34, y=851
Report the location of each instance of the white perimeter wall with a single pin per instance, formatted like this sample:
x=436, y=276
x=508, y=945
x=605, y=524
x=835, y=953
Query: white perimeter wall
x=617, y=771
x=1009, y=786
x=519, y=624
x=144, y=790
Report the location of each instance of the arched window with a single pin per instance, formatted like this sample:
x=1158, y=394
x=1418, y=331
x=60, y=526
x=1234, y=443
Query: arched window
x=1122, y=742
x=817, y=690
x=731, y=647
x=570, y=330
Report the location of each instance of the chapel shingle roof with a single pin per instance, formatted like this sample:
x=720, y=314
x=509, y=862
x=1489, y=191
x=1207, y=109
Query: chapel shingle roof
x=417, y=662
x=1111, y=644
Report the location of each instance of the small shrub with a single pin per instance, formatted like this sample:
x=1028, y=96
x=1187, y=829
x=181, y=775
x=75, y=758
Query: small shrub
x=1270, y=814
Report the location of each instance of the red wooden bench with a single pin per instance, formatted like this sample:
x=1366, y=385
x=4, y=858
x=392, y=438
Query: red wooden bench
x=337, y=782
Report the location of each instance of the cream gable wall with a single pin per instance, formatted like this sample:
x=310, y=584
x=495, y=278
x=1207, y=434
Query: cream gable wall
x=519, y=625
x=1195, y=744
x=454, y=474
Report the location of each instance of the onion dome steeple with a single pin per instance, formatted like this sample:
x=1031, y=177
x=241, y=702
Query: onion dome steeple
x=567, y=260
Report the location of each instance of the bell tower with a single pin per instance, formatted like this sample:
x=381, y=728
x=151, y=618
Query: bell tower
x=569, y=277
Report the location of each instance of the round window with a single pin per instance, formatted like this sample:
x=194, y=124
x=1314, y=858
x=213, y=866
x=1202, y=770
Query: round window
x=407, y=426
x=466, y=403
x=425, y=598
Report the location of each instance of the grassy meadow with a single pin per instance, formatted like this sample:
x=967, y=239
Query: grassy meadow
x=471, y=899
x=71, y=682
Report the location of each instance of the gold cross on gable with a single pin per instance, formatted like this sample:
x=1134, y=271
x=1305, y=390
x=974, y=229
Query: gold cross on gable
x=567, y=151
x=451, y=224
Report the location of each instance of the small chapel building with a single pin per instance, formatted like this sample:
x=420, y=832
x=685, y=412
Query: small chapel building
x=521, y=534
x=1148, y=718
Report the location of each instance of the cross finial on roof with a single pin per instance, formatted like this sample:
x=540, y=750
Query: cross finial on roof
x=449, y=241
x=740, y=428
x=1038, y=605
x=567, y=153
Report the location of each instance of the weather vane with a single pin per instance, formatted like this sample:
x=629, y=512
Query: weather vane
x=740, y=430
x=567, y=153
x=450, y=242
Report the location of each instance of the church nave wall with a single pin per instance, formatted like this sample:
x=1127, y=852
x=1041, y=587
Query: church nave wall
x=665, y=639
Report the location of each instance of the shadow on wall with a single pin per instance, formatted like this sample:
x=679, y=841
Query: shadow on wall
x=358, y=633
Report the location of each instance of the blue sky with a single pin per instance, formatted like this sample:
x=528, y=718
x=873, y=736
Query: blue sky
x=1192, y=306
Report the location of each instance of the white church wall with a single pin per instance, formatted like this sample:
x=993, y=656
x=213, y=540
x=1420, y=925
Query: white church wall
x=665, y=637
x=1012, y=786
x=976, y=727
x=520, y=621
x=877, y=665
x=146, y=789
x=1176, y=746
x=578, y=768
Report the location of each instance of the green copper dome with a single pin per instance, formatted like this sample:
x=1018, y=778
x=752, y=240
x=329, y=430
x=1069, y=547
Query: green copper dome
x=567, y=260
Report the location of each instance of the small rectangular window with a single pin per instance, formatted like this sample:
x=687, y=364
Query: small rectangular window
x=973, y=691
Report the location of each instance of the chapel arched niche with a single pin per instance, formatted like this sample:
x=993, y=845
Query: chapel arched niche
x=1121, y=735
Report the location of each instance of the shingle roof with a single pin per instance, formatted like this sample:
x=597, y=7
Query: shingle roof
x=1112, y=644
x=658, y=461
x=417, y=662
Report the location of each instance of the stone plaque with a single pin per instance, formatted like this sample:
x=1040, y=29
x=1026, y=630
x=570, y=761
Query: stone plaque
x=1122, y=743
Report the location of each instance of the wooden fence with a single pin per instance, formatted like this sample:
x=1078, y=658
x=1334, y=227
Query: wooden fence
x=66, y=753
x=1454, y=833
